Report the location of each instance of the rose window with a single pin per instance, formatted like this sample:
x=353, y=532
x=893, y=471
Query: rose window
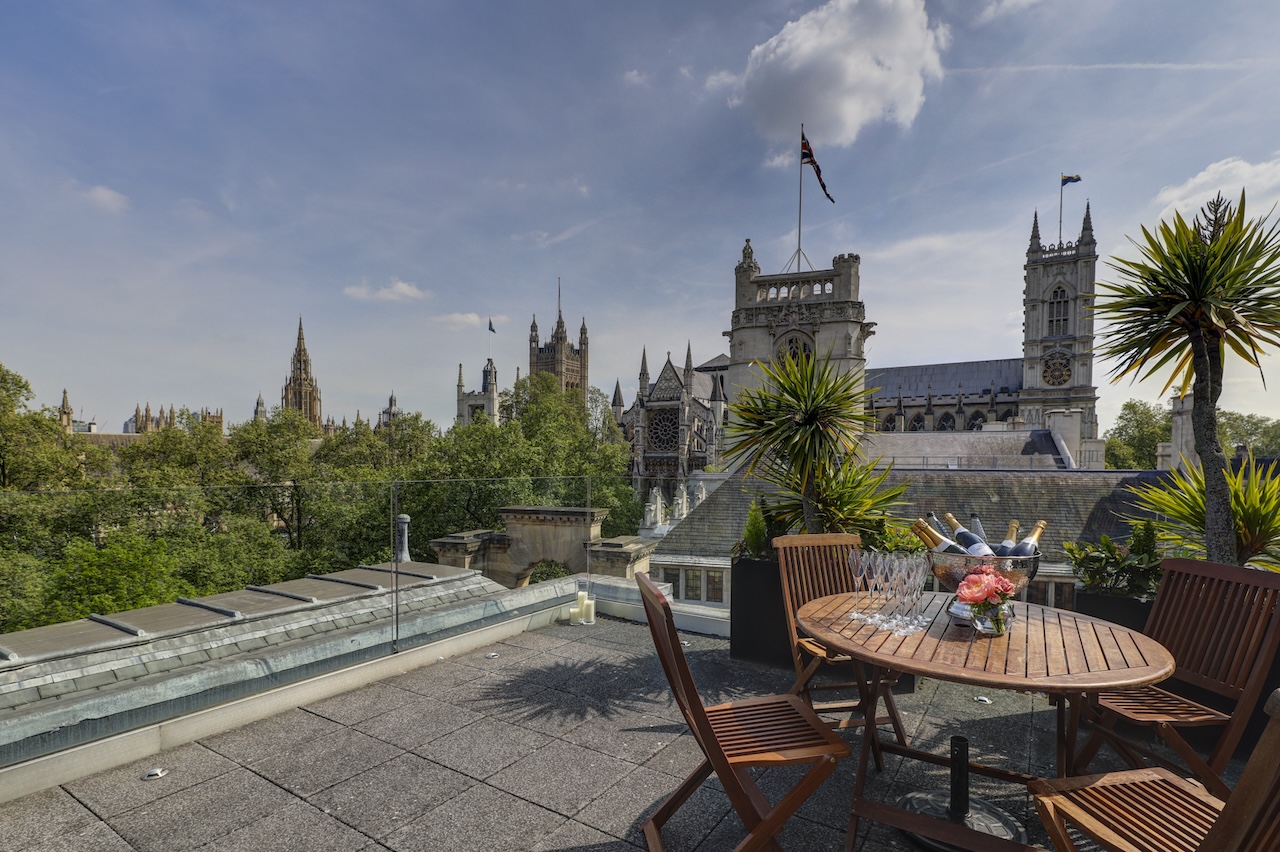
x=664, y=431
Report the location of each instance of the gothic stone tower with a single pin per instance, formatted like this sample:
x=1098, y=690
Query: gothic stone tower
x=559, y=357
x=300, y=390
x=816, y=312
x=1057, y=347
x=474, y=405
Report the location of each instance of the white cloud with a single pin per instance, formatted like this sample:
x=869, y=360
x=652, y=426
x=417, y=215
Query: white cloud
x=721, y=80
x=102, y=197
x=396, y=291
x=1000, y=8
x=841, y=67
x=635, y=78
x=459, y=321
x=1260, y=181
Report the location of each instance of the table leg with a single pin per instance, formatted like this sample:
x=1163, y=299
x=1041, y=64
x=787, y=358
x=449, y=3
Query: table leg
x=870, y=692
x=1069, y=709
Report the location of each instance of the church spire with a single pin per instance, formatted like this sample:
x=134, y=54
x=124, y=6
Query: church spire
x=644, y=373
x=1035, y=231
x=300, y=391
x=1086, y=229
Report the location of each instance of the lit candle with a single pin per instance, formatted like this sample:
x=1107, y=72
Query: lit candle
x=589, y=612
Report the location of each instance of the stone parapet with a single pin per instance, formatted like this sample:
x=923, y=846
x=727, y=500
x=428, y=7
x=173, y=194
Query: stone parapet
x=97, y=685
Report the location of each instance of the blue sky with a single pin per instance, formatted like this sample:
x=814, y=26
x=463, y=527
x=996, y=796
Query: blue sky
x=181, y=181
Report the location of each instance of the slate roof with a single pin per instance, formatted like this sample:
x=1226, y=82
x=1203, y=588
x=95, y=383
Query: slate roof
x=975, y=376
x=1080, y=505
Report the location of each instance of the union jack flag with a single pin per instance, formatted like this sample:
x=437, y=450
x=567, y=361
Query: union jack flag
x=806, y=157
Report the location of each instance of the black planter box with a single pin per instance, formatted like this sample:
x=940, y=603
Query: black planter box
x=757, y=622
x=1118, y=609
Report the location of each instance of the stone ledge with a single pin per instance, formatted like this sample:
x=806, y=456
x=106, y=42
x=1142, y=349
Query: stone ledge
x=68, y=711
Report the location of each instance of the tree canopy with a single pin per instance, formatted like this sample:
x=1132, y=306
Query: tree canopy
x=186, y=510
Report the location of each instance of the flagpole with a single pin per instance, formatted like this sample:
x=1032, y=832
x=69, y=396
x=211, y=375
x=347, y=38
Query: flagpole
x=1062, y=181
x=800, y=209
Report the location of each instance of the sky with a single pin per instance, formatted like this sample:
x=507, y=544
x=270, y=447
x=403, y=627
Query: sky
x=180, y=182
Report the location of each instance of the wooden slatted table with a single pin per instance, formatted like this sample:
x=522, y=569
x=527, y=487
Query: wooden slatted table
x=1061, y=653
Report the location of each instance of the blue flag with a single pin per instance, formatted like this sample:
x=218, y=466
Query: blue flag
x=491, y=328
x=1066, y=179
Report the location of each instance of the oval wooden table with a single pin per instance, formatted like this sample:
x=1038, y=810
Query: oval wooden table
x=1058, y=652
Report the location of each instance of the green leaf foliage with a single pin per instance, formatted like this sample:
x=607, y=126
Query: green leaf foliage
x=1109, y=566
x=1134, y=436
x=1198, y=291
x=1178, y=505
x=799, y=430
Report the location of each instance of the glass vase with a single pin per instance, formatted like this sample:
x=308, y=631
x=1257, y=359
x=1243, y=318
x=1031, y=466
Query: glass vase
x=992, y=620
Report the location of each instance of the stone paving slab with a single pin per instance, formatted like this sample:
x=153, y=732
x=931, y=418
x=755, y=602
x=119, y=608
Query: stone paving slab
x=567, y=740
x=127, y=787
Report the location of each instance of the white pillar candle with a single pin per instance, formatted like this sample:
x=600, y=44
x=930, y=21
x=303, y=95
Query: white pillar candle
x=582, y=599
x=575, y=615
x=589, y=611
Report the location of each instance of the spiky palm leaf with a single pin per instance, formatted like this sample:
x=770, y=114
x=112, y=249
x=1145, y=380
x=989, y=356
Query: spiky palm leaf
x=797, y=429
x=1219, y=283
x=1178, y=505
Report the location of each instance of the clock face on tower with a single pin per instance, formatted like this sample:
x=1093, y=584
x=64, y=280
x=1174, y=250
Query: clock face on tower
x=1057, y=370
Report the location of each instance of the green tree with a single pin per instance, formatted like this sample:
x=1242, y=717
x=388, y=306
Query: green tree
x=276, y=453
x=800, y=429
x=23, y=578
x=35, y=452
x=192, y=453
x=1132, y=439
x=128, y=571
x=1197, y=290
x=1261, y=435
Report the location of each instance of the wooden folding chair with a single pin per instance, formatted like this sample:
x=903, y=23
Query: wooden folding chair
x=1222, y=624
x=1154, y=810
x=814, y=566
x=776, y=730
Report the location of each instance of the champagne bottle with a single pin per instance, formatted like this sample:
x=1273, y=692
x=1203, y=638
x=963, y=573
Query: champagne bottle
x=975, y=526
x=934, y=540
x=937, y=524
x=1031, y=544
x=1010, y=539
x=966, y=539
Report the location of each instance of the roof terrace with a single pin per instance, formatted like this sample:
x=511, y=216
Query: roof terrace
x=563, y=737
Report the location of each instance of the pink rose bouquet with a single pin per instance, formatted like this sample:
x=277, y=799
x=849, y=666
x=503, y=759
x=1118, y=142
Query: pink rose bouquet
x=986, y=593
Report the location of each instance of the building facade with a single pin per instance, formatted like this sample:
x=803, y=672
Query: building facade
x=474, y=405
x=817, y=312
x=676, y=424
x=560, y=357
x=1054, y=374
x=300, y=392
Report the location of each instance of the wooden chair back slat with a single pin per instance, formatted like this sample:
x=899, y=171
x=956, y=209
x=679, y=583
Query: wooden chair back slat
x=813, y=566
x=676, y=667
x=1220, y=622
x=1250, y=820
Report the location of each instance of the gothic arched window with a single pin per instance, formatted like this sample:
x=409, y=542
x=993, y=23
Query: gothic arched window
x=947, y=423
x=1059, y=305
x=976, y=419
x=793, y=346
x=916, y=424
x=890, y=424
